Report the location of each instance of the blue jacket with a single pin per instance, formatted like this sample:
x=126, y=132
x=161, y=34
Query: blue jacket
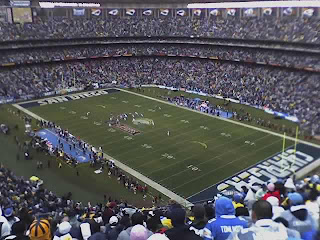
x=225, y=222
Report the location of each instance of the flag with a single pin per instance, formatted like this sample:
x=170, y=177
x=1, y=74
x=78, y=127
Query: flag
x=288, y=11
x=164, y=12
x=231, y=12
x=78, y=11
x=308, y=12
x=114, y=12
x=250, y=12
x=181, y=12
x=130, y=12
x=214, y=12
x=96, y=12
x=267, y=11
x=147, y=12
x=197, y=12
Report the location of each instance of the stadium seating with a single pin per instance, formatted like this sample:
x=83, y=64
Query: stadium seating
x=286, y=29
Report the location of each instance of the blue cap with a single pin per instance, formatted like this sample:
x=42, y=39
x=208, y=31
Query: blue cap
x=295, y=198
x=237, y=197
x=8, y=212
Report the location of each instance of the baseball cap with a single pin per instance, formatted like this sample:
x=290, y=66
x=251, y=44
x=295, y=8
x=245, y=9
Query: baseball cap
x=113, y=221
x=8, y=212
x=237, y=197
x=295, y=198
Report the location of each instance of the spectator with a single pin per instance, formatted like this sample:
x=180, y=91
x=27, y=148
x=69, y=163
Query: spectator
x=139, y=232
x=136, y=218
x=264, y=227
x=180, y=230
x=210, y=211
x=18, y=231
x=5, y=228
x=225, y=223
x=63, y=231
x=298, y=216
x=113, y=222
x=271, y=192
x=276, y=209
x=199, y=222
x=40, y=230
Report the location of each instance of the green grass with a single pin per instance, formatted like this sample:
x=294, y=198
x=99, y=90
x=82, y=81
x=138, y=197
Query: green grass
x=87, y=187
x=223, y=156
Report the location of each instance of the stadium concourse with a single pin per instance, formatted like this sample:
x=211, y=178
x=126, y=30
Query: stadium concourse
x=274, y=65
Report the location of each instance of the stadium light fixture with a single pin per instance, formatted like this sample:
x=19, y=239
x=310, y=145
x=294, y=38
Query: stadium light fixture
x=257, y=4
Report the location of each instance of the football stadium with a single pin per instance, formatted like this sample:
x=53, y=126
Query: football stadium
x=159, y=120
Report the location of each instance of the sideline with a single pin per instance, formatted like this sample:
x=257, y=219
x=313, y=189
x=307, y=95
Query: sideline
x=223, y=119
x=127, y=169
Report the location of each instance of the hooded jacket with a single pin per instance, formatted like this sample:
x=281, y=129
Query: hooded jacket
x=225, y=223
x=264, y=229
x=299, y=219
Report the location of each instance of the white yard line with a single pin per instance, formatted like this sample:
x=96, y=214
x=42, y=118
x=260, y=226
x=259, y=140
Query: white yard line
x=192, y=156
x=214, y=170
x=127, y=169
x=217, y=156
x=224, y=119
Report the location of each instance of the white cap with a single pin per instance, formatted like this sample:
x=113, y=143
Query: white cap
x=64, y=227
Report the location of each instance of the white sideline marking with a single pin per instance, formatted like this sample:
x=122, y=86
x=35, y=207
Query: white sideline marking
x=224, y=119
x=127, y=169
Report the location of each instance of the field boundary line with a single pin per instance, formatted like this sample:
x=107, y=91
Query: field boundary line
x=223, y=119
x=127, y=169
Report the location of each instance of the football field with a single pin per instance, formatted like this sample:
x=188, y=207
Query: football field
x=182, y=150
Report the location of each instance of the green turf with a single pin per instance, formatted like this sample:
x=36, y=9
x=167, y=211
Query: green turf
x=168, y=160
x=87, y=187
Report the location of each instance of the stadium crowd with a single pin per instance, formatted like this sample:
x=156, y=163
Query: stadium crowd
x=289, y=29
x=285, y=209
x=294, y=93
x=255, y=55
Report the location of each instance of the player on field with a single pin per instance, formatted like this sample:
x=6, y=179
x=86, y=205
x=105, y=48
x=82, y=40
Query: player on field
x=168, y=133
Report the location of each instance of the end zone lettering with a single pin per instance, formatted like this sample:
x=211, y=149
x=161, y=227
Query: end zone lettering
x=71, y=97
x=280, y=165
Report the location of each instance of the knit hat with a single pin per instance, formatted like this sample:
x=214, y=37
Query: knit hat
x=295, y=198
x=40, y=230
x=271, y=187
x=198, y=211
x=158, y=236
x=138, y=232
x=178, y=216
x=113, y=221
x=64, y=227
